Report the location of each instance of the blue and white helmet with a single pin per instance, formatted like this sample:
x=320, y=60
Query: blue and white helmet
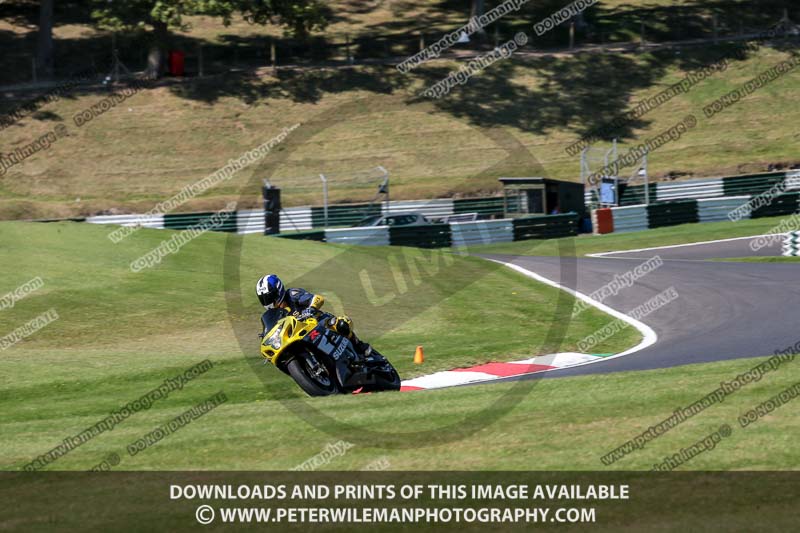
x=270, y=290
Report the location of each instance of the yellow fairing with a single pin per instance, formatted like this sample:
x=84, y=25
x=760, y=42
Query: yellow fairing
x=287, y=331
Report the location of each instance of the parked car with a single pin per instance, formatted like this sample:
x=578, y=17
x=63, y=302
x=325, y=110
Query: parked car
x=397, y=219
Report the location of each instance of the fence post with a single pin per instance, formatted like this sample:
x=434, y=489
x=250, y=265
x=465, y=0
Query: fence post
x=714, y=22
x=421, y=42
x=644, y=38
x=324, y=197
x=200, y=69
x=273, y=55
x=572, y=35
x=347, y=46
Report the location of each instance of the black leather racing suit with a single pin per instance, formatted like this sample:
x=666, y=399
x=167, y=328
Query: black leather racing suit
x=299, y=300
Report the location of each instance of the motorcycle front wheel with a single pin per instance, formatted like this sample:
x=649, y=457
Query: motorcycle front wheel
x=313, y=384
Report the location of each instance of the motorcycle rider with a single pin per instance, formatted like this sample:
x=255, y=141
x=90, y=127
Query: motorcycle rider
x=273, y=294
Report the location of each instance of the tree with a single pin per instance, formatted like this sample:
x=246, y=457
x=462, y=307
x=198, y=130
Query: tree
x=44, y=51
x=477, y=10
x=299, y=17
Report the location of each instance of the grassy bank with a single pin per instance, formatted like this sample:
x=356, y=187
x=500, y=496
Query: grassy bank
x=121, y=333
x=516, y=118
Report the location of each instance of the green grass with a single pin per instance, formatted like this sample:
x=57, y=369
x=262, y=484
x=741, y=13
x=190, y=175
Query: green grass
x=121, y=334
x=611, y=242
x=160, y=140
x=567, y=424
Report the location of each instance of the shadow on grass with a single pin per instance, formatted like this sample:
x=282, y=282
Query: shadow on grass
x=579, y=92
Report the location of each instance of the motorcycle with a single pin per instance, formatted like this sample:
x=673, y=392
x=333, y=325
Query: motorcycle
x=321, y=361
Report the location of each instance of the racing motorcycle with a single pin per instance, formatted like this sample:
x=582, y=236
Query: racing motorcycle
x=321, y=361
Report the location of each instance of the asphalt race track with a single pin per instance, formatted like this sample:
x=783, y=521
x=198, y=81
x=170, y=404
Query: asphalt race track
x=724, y=310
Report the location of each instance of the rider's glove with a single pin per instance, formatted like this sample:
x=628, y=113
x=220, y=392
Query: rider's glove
x=307, y=313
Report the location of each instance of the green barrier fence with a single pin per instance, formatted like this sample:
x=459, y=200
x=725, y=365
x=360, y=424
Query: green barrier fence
x=784, y=204
x=226, y=219
x=672, y=213
x=351, y=214
x=635, y=194
x=343, y=215
x=429, y=236
x=484, y=206
x=546, y=227
x=748, y=184
x=751, y=183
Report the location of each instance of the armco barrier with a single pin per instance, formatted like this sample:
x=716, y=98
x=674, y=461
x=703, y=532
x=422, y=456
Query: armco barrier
x=492, y=206
x=717, y=209
x=631, y=194
x=371, y=236
x=546, y=227
x=428, y=236
x=305, y=218
x=457, y=234
x=783, y=204
x=350, y=214
x=250, y=221
x=751, y=183
x=481, y=232
x=295, y=218
x=747, y=184
x=437, y=208
x=672, y=213
x=641, y=217
x=630, y=218
x=343, y=215
x=792, y=180
x=146, y=221
x=693, y=189
x=187, y=220
x=635, y=194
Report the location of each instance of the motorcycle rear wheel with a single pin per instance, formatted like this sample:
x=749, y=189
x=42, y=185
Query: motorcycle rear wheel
x=298, y=369
x=391, y=383
x=394, y=384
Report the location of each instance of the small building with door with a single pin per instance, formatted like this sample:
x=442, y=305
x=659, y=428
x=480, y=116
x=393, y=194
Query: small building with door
x=542, y=196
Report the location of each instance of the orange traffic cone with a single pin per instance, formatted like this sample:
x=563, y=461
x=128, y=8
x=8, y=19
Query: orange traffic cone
x=419, y=357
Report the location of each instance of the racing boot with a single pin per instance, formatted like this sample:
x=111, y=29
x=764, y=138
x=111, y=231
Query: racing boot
x=363, y=348
x=369, y=354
